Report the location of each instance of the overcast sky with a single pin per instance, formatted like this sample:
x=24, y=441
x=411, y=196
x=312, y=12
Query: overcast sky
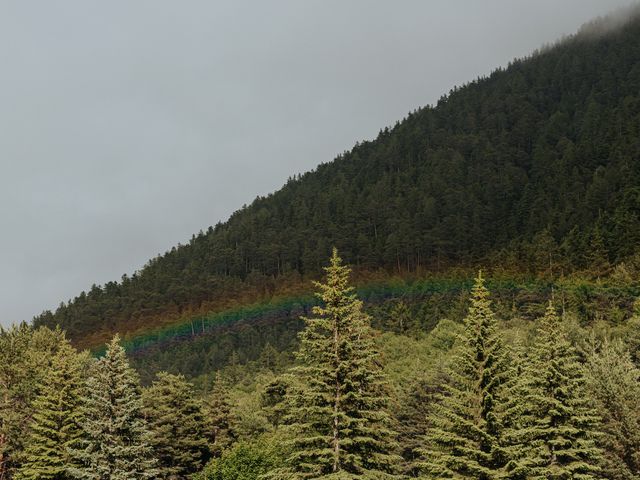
x=126, y=126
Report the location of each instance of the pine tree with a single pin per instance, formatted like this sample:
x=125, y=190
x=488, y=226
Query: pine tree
x=176, y=424
x=55, y=428
x=115, y=436
x=564, y=426
x=465, y=438
x=219, y=432
x=339, y=422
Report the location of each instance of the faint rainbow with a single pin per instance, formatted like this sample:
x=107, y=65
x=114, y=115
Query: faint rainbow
x=373, y=292
x=199, y=324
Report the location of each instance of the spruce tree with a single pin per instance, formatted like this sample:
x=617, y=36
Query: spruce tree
x=516, y=414
x=614, y=383
x=55, y=428
x=464, y=440
x=25, y=356
x=402, y=320
x=339, y=421
x=176, y=425
x=269, y=358
x=597, y=255
x=219, y=429
x=563, y=428
x=115, y=443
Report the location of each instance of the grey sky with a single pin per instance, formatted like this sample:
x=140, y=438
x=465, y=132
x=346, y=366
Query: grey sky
x=126, y=126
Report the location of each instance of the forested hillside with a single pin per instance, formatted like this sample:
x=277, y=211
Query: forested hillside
x=533, y=170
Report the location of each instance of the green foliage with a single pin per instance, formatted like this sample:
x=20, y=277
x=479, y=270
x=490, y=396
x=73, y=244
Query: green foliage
x=562, y=426
x=597, y=255
x=614, y=383
x=464, y=439
x=632, y=337
x=403, y=321
x=245, y=461
x=176, y=426
x=416, y=370
x=25, y=357
x=536, y=419
x=115, y=443
x=339, y=423
x=220, y=431
x=55, y=426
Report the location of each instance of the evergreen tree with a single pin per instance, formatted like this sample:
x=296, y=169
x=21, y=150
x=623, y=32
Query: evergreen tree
x=597, y=255
x=269, y=357
x=413, y=414
x=176, y=425
x=402, y=321
x=55, y=428
x=115, y=444
x=25, y=356
x=464, y=440
x=516, y=414
x=219, y=432
x=244, y=461
x=632, y=334
x=614, y=384
x=543, y=252
x=339, y=421
x=564, y=425
x=273, y=398
x=233, y=369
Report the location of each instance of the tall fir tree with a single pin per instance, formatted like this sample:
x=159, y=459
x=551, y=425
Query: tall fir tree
x=563, y=426
x=339, y=420
x=55, y=426
x=176, y=424
x=219, y=423
x=464, y=440
x=115, y=444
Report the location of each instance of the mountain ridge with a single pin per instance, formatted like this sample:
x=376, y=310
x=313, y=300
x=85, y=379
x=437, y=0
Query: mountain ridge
x=535, y=160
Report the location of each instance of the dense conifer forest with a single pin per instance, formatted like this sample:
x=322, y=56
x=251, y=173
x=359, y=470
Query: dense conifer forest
x=478, y=397
x=466, y=305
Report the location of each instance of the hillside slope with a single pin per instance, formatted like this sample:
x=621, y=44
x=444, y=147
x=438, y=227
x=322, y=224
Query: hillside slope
x=534, y=168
